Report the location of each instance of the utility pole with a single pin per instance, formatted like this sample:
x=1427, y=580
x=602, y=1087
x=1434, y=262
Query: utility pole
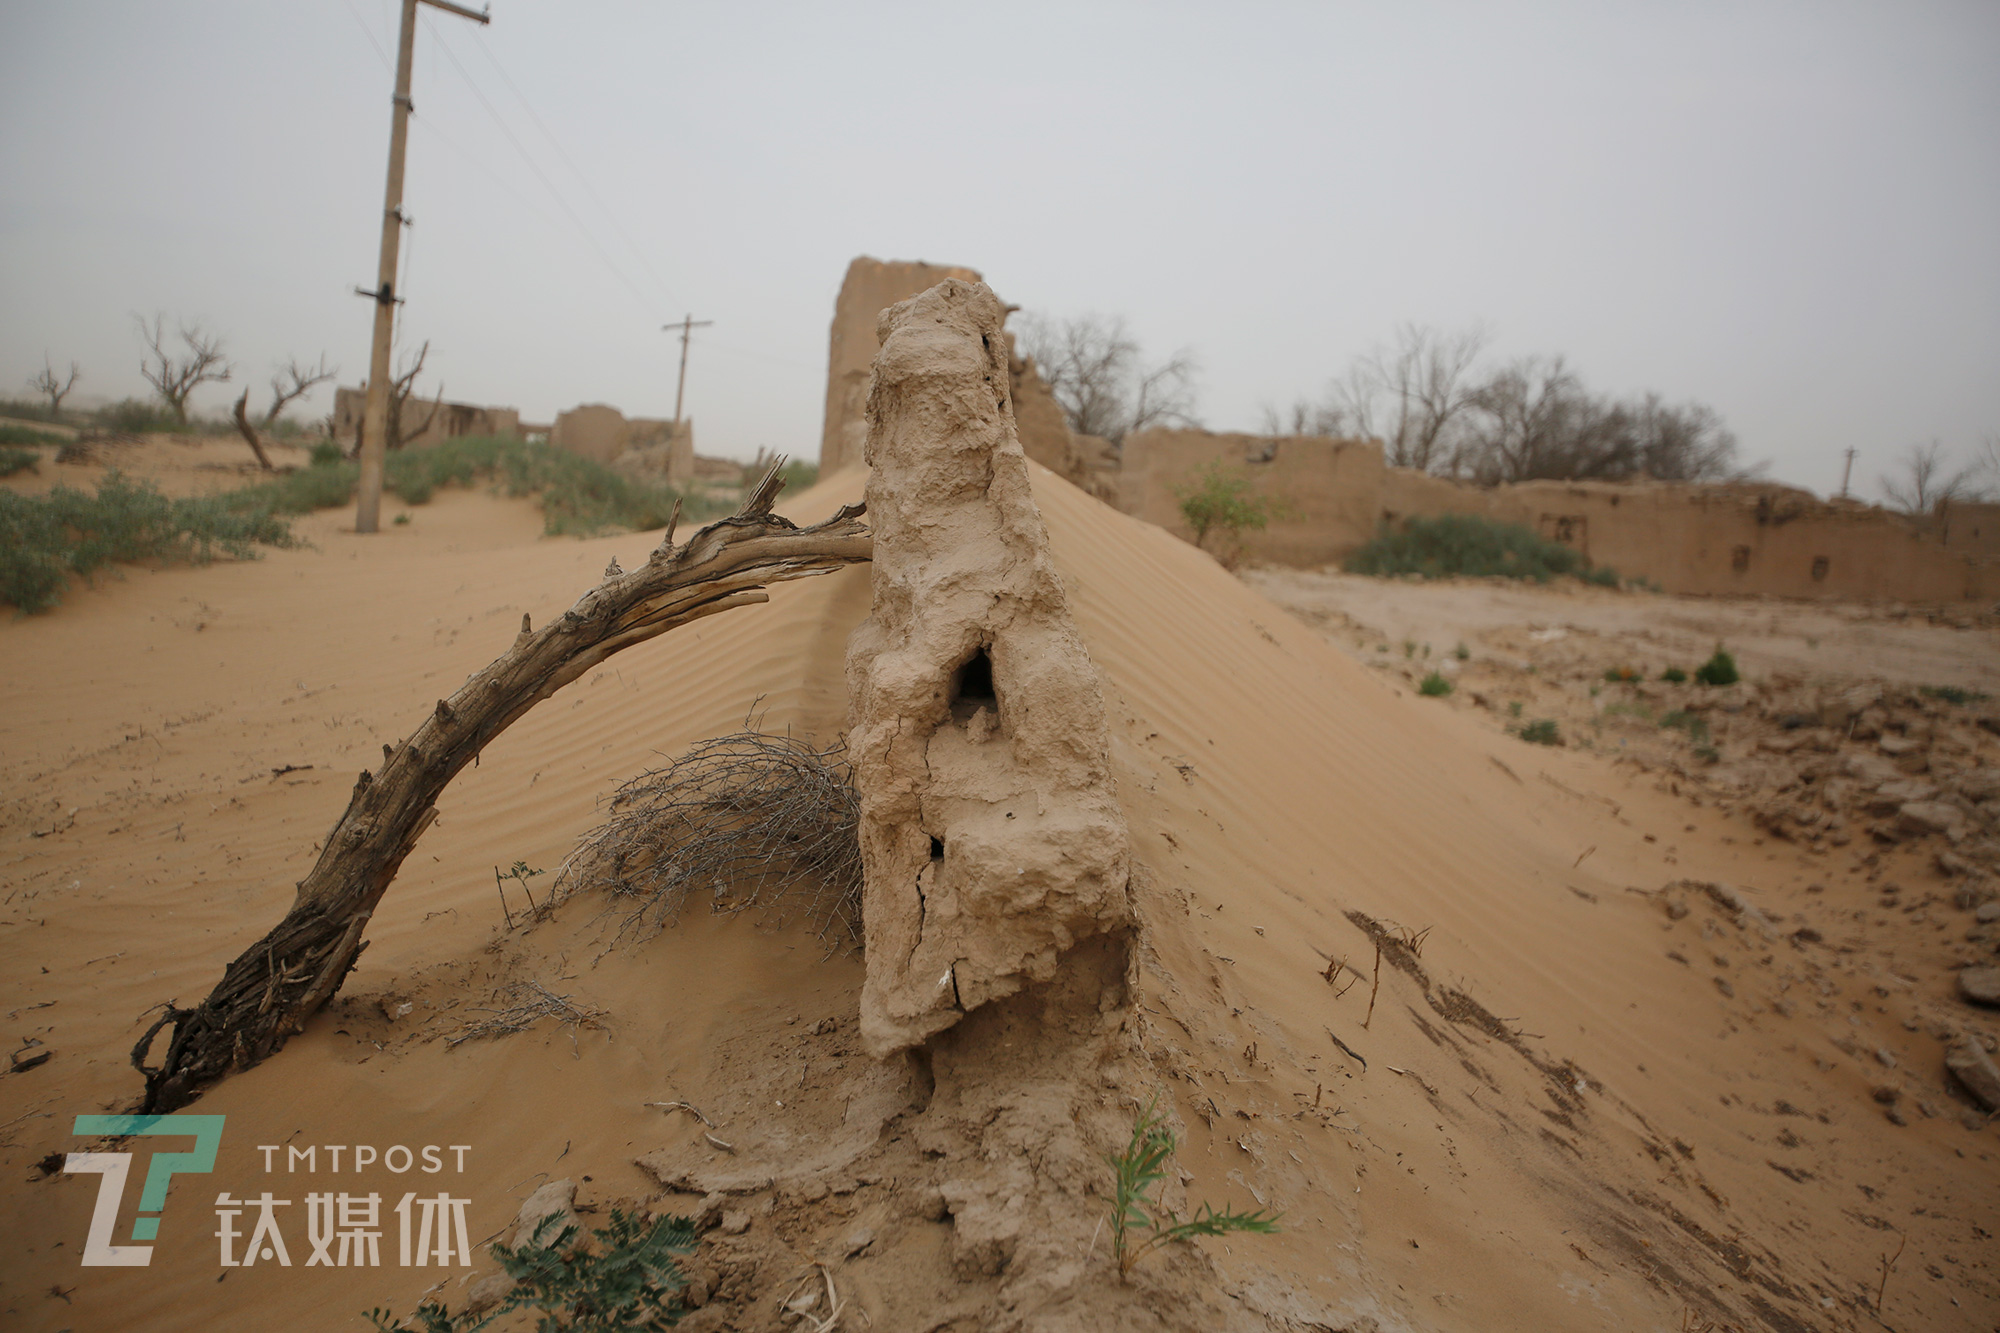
x=1846, y=472
x=375, y=419
x=686, y=326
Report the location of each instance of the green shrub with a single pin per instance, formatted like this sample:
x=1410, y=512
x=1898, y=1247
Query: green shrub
x=18, y=460
x=1462, y=653
x=46, y=538
x=627, y=1280
x=1541, y=732
x=326, y=453
x=1618, y=675
x=1602, y=575
x=12, y=434
x=1718, y=670
x=1434, y=686
x=1217, y=498
x=138, y=416
x=1464, y=544
x=1674, y=675
x=1950, y=694
x=26, y=409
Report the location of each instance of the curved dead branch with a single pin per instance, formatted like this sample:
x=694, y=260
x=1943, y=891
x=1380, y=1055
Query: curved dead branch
x=267, y=994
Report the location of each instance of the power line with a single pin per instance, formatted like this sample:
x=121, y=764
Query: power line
x=610, y=216
x=535, y=167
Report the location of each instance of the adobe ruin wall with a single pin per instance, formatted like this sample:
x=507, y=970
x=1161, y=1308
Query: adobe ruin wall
x=870, y=287
x=1759, y=539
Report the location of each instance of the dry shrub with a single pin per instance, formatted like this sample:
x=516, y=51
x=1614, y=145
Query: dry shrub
x=759, y=821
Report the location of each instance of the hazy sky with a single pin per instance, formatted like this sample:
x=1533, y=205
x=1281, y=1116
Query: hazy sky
x=1789, y=211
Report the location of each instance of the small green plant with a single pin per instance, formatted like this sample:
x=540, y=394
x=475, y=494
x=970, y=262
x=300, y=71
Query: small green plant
x=1218, y=499
x=1139, y=1223
x=1618, y=675
x=402, y=519
x=1951, y=694
x=1513, y=708
x=630, y=1281
x=326, y=454
x=14, y=460
x=1601, y=575
x=1718, y=670
x=1462, y=653
x=1674, y=676
x=1542, y=731
x=1434, y=686
x=1708, y=754
x=520, y=872
x=1409, y=648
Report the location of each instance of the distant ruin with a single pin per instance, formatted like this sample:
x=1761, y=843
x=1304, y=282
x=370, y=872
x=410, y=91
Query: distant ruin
x=1759, y=538
x=448, y=422
x=646, y=447
x=1333, y=495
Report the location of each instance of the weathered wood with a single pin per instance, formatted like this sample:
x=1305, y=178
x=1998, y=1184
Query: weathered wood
x=250, y=432
x=269, y=991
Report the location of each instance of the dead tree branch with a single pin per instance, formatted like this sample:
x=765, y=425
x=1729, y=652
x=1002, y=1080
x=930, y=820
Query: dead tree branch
x=400, y=389
x=54, y=385
x=275, y=985
x=174, y=378
x=250, y=432
x=296, y=381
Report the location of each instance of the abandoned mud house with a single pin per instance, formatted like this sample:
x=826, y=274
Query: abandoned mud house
x=1331, y=495
x=439, y=421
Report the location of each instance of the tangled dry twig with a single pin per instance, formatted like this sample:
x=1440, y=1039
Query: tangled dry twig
x=760, y=821
x=532, y=1002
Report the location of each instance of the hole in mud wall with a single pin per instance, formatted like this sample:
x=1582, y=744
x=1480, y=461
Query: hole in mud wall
x=972, y=688
x=937, y=849
x=1819, y=568
x=1739, y=559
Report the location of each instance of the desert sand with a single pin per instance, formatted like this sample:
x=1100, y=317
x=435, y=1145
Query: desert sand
x=1595, y=1096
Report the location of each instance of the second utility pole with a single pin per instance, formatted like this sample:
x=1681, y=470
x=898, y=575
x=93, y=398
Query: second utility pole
x=686, y=326
x=375, y=418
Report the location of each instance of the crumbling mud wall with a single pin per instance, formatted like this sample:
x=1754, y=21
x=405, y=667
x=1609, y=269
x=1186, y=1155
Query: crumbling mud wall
x=990, y=830
x=647, y=447
x=871, y=286
x=1758, y=539
x=1762, y=539
x=450, y=421
x=1325, y=492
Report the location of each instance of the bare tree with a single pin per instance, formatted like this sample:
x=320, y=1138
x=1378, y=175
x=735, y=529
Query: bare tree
x=295, y=381
x=400, y=389
x=54, y=385
x=1414, y=395
x=1306, y=418
x=175, y=377
x=1921, y=482
x=1092, y=367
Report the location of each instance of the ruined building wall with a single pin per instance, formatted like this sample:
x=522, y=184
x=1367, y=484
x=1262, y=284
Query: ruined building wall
x=451, y=421
x=1326, y=491
x=990, y=829
x=1755, y=539
x=871, y=286
x=646, y=447
x=1762, y=539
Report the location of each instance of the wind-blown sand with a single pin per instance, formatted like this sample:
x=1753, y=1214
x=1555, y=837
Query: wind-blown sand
x=1577, y=1110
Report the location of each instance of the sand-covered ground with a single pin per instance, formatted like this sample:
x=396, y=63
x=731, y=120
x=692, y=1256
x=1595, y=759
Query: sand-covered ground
x=1596, y=1095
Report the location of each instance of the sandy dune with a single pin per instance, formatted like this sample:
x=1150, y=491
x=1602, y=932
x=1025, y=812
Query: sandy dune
x=1577, y=1109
